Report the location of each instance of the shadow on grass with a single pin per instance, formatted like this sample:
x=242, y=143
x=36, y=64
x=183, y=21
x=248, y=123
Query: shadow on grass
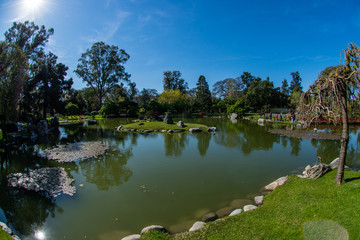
x=352, y=179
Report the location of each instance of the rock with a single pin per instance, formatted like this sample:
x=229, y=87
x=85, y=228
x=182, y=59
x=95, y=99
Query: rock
x=212, y=129
x=195, y=130
x=170, y=131
x=153, y=227
x=140, y=124
x=224, y=212
x=163, y=131
x=178, y=131
x=249, y=207
x=42, y=128
x=276, y=183
x=180, y=124
x=168, y=118
x=148, y=131
x=196, y=226
x=132, y=237
x=236, y=212
x=6, y=228
x=259, y=200
x=233, y=116
x=209, y=217
x=119, y=128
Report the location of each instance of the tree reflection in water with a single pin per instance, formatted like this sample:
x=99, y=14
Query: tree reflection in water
x=175, y=143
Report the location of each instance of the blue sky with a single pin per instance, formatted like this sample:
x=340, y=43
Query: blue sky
x=217, y=39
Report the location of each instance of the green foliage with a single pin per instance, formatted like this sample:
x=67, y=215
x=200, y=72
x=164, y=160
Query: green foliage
x=109, y=108
x=295, y=84
x=229, y=88
x=174, y=100
x=72, y=109
x=238, y=107
x=295, y=98
x=173, y=81
x=161, y=125
x=203, y=100
x=101, y=67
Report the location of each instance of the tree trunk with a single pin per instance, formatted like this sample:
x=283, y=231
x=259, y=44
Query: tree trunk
x=344, y=143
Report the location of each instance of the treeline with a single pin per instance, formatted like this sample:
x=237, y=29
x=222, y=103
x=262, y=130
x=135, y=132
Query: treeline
x=33, y=84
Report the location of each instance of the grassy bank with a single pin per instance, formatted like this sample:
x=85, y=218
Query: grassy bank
x=153, y=126
x=298, y=203
x=4, y=235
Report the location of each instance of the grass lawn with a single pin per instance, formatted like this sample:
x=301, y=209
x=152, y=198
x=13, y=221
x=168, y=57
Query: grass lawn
x=163, y=126
x=4, y=235
x=322, y=208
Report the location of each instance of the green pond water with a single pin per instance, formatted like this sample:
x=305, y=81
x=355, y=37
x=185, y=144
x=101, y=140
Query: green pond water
x=143, y=179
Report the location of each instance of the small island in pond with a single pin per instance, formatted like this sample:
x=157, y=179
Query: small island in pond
x=148, y=127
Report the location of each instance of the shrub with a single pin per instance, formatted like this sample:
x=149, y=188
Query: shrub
x=72, y=109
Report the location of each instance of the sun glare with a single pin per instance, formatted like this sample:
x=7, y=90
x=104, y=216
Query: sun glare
x=31, y=9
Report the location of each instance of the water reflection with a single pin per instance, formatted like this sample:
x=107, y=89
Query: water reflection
x=203, y=142
x=175, y=143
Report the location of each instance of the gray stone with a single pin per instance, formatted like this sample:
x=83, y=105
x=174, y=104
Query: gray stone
x=170, y=131
x=249, y=207
x=178, y=131
x=180, y=124
x=163, y=131
x=212, y=129
x=259, y=200
x=140, y=124
x=119, y=128
x=196, y=226
x=335, y=163
x=148, y=131
x=261, y=121
x=153, y=227
x=132, y=237
x=195, y=130
x=209, y=217
x=6, y=228
x=235, y=212
x=224, y=212
x=233, y=116
x=42, y=128
x=168, y=119
x=276, y=183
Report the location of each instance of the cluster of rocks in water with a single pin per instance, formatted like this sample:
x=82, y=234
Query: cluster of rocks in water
x=75, y=151
x=51, y=181
x=55, y=181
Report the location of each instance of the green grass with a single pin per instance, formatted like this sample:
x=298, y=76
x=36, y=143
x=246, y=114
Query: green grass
x=163, y=126
x=297, y=205
x=4, y=235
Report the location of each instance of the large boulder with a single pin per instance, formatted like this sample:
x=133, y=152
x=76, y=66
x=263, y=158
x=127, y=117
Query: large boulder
x=195, y=130
x=168, y=119
x=180, y=124
x=276, y=183
x=196, y=226
x=233, y=116
x=259, y=200
x=210, y=217
x=153, y=227
x=54, y=122
x=42, y=128
x=335, y=163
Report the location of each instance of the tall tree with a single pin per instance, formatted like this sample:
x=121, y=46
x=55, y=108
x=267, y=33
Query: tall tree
x=172, y=81
x=203, y=95
x=229, y=88
x=260, y=94
x=247, y=79
x=13, y=65
x=285, y=87
x=174, y=100
x=330, y=95
x=29, y=37
x=101, y=67
x=48, y=85
x=295, y=84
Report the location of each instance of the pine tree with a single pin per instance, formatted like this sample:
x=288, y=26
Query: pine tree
x=203, y=95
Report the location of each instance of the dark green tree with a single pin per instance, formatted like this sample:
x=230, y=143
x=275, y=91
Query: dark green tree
x=13, y=65
x=101, y=67
x=203, y=100
x=285, y=87
x=46, y=88
x=173, y=81
x=260, y=94
x=295, y=84
x=247, y=79
x=146, y=96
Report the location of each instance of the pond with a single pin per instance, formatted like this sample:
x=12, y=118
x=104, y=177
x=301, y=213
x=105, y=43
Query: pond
x=160, y=178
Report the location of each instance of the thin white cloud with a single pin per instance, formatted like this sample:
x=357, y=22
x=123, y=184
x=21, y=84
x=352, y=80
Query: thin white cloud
x=110, y=28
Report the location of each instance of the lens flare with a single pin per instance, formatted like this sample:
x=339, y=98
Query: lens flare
x=40, y=235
